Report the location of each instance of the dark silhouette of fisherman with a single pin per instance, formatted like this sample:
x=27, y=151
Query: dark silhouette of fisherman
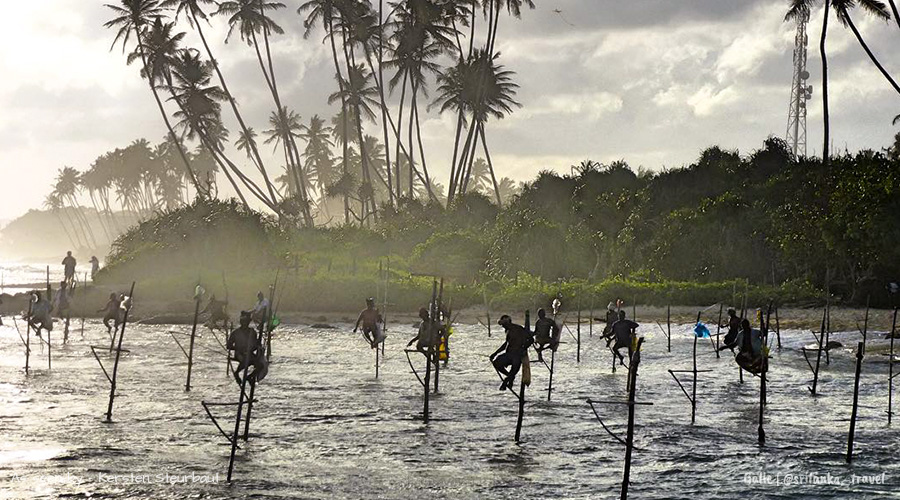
x=247, y=352
x=69, y=264
x=369, y=319
x=111, y=313
x=734, y=328
x=514, y=350
x=40, y=318
x=216, y=310
x=427, y=335
x=622, y=332
x=546, y=333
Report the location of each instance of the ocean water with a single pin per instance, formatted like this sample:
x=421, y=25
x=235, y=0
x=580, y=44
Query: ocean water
x=325, y=427
x=20, y=277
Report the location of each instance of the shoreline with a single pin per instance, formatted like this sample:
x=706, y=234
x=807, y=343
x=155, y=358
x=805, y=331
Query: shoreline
x=180, y=312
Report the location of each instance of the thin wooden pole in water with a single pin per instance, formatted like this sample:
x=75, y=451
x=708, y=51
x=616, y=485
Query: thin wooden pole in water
x=820, y=338
x=890, y=411
x=438, y=324
x=429, y=353
x=112, y=388
x=694, y=382
x=28, y=333
x=719, y=328
x=487, y=309
x=237, y=420
x=669, y=328
x=522, y=384
x=777, y=328
x=187, y=383
x=866, y=320
x=262, y=334
x=552, y=362
x=860, y=352
x=629, y=436
x=761, y=433
x=578, y=337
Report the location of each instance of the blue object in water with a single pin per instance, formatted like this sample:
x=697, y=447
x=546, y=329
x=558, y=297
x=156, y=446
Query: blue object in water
x=701, y=330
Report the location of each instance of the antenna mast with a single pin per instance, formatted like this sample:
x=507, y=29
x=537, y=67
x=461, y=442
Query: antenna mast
x=800, y=92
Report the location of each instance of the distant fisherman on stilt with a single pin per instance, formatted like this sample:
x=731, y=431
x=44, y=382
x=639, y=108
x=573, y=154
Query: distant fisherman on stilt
x=216, y=310
x=111, y=313
x=546, y=333
x=259, y=311
x=734, y=328
x=514, y=350
x=246, y=349
x=427, y=335
x=69, y=264
x=371, y=321
x=40, y=318
x=622, y=332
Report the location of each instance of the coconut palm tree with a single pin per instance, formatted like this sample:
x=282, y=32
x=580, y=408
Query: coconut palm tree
x=286, y=126
x=193, y=11
x=481, y=89
x=317, y=158
x=327, y=11
x=131, y=17
x=53, y=204
x=249, y=18
x=842, y=9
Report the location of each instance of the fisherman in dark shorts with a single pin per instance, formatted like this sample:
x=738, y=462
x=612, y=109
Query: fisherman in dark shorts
x=111, y=312
x=546, y=333
x=622, y=332
x=514, y=349
x=427, y=334
x=247, y=352
x=369, y=319
x=734, y=328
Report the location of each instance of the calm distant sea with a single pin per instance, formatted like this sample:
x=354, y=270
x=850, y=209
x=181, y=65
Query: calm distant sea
x=16, y=277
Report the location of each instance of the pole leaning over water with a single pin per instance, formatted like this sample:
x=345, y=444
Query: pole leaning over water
x=112, y=388
x=187, y=383
x=764, y=327
x=629, y=436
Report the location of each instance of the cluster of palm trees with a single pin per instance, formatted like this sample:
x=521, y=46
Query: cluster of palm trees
x=843, y=10
x=370, y=155
x=125, y=185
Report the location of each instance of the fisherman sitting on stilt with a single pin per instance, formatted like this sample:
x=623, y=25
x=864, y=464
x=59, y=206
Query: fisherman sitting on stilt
x=40, y=318
x=111, y=313
x=370, y=319
x=261, y=309
x=61, y=301
x=546, y=334
x=611, y=317
x=622, y=332
x=734, y=328
x=216, y=310
x=750, y=352
x=247, y=352
x=428, y=333
x=516, y=345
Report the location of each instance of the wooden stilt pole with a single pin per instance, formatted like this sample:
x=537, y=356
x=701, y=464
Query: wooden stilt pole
x=237, y=419
x=28, y=333
x=890, y=410
x=437, y=350
x=430, y=351
x=764, y=330
x=694, y=381
x=522, y=385
x=578, y=337
x=552, y=361
x=866, y=321
x=112, y=388
x=669, y=328
x=487, y=309
x=860, y=352
x=265, y=333
x=719, y=328
x=629, y=436
x=187, y=383
x=821, y=338
x=777, y=328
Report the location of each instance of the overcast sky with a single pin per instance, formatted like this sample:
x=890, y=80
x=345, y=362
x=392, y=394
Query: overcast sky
x=653, y=82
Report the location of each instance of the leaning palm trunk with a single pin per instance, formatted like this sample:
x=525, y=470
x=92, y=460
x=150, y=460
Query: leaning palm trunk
x=869, y=53
x=83, y=220
x=398, y=133
x=384, y=122
x=340, y=79
x=487, y=155
x=415, y=107
x=162, y=111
